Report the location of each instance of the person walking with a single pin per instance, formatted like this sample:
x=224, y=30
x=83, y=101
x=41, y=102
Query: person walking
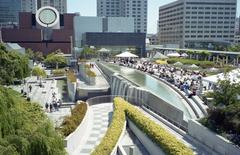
x=30, y=88
x=46, y=106
x=51, y=107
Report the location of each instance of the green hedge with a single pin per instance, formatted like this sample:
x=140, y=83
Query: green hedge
x=70, y=123
x=71, y=76
x=58, y=72
x=167, y=142
x=88, y=71
x=114, y=131
x=203, y=64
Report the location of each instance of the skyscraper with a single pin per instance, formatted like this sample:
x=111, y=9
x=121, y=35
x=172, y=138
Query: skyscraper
x=60, y=5
x=197, y=23
x=9, y=12
x=29, y=6
x=125, y=8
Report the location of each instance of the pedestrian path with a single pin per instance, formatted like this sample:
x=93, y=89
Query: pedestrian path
x=43, y=95
x=99, y=120
x=101, y=82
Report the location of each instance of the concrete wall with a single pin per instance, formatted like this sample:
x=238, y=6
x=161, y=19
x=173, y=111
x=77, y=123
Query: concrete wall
x=72, y=88
x=73, y=141
x=211, y=139
x=85, y=24
x=152, y=148
x=82, y=72
x=168, y=111
x=120, y=24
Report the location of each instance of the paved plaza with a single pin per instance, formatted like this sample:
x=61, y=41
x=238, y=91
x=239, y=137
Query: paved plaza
x=43, y=95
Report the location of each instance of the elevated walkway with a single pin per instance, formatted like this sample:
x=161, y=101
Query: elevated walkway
x=99, y=118
x=100, y=88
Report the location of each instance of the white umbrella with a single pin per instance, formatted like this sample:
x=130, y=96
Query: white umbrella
x=104, y=50
x=213, y=69
x=184, y=55
x=193, y=66
x=178, y=64
x=159, y=56
x=126, y=55
x=174, y=55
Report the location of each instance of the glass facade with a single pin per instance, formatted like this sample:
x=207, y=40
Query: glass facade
x=9, y=11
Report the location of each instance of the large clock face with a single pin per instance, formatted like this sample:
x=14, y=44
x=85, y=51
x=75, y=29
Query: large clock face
x=47, y=16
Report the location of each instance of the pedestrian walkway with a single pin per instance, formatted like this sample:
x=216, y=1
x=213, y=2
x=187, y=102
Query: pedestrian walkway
x=43, y=95
x=101, y=82
x=99, y=120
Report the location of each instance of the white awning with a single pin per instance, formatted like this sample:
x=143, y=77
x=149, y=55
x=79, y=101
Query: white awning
x=126, y=55
x=174, y=55
x=159, y=56
x=104, y=50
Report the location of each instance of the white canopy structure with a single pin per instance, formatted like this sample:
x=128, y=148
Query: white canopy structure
x=159, y=56
x=213, y=69
x=174, y=55
x=178, y=64
x=233, y=76
x=193, y=66
x=104, y=50
x=184, y=55
x=126, y=55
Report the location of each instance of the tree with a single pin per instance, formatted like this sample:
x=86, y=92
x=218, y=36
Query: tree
x=35, y=56
x=13, y=66
x=226, y=93
x=205, y=55
x=37, y=71
x=40, y=73
x=55, y=59
x=87, y=53
x=234, y=48
x=24, y=128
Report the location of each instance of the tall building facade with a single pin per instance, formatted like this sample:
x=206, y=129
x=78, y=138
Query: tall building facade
x=9, y=12
x=9, y=9
x=237, y=26
x=125, y=8
x=60, y=5
x=197, y=23
x=29, y=6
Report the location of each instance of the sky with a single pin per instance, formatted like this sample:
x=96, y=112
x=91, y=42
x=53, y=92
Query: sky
x=89, y=8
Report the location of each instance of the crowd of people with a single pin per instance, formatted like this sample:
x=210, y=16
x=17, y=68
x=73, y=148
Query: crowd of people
x=54, y=105
x=186, y=80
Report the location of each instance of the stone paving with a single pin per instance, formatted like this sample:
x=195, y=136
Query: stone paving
x=43, y=95
x=99, y=120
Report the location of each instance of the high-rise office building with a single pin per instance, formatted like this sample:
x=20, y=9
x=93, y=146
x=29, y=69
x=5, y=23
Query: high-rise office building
x=29, y=6
x=197, y=23
x=125, y=8
x=60, y=5
x=237, y=26
x=9, y=12
x=9, y=9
